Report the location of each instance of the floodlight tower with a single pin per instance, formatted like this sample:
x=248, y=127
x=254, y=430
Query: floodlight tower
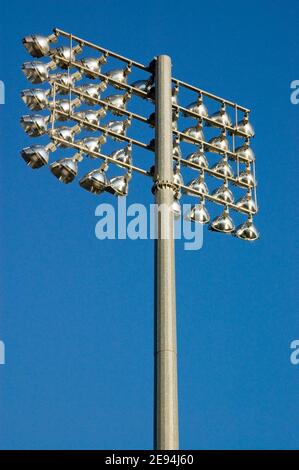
x=83, y=107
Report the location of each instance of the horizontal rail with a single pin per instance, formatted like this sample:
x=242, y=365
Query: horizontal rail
x=101, y=102
x=83, y=149
x=104, y=130
x=207, y=145
x=102, y=76
x=194, y=166
x=231, y=129
x=216, y=200
x=99, y=48
x=148, y=173
x=209, y=95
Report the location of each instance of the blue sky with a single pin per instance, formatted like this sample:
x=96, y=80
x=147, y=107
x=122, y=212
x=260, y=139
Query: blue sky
x=77, y=313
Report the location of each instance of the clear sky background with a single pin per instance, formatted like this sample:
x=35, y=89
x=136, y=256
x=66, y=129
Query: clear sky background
x=77, y=313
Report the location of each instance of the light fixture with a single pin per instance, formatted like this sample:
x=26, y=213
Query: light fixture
x=198, y=213
x=64, y=79
x=92, y=92
x=177, y=152
x=95, y=181
x=142, y=85
x=223, y=194
x=220, y=118
x=223, y=169
x=35, y=98
x=90, y=117
x=247, y=177
x=38, y=45
x=62, y=56
x=246, y=202
x=123, y=155
x=119, y=185
x=37, y=156
x=197, y=107
x=92, y=66
x=118, y=127
x=220, y=142
x=67, y=168
x=176, y=209
x=35, y=125
x=245, y=126
x=245, y=152
x=174, y=95
x=178, y=179
x=119, y=75
x=118, y=101
x=193, y=132
x=65, y=106
x=223, y=223
x=198, y=184
x=198, y=158
x=247, y=231
x=65, y=133
x=37, y=72
x=92, y=144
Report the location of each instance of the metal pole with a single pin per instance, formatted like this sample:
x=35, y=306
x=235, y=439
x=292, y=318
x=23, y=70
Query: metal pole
x=166, y=399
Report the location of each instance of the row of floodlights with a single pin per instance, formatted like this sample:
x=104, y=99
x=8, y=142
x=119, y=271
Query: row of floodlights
x=96, y=182
x=66, y=170
x=38, y=72
x=36, y=125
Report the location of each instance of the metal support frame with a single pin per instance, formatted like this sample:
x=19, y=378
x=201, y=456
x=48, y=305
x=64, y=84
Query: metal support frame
x=166, y=433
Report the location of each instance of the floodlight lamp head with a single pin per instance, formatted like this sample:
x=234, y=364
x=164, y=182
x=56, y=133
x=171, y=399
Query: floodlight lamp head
x=247, y=231
x=223, y=223
x=66, y=169
x=64, y=81
x=123, y=155
x=91, y=66
x=220, y=143
x=37, y=156
x=246, y=202
x=37, y=72
x=118, y=101
x=220, y=118
x=199, y=185
x=35, y=98
x=118, y=127
x=91, y=145
x=223, y=169
x=119, y=185
x=198, y=214
x=224, y=194
x=195, y=133
x=197, y=107
x=119, y=75
x=35, y=125
x=246, y=177
x=245, y=126
x=245, y=152
x=38, y=45
x=95, y=181
x=62, y=56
